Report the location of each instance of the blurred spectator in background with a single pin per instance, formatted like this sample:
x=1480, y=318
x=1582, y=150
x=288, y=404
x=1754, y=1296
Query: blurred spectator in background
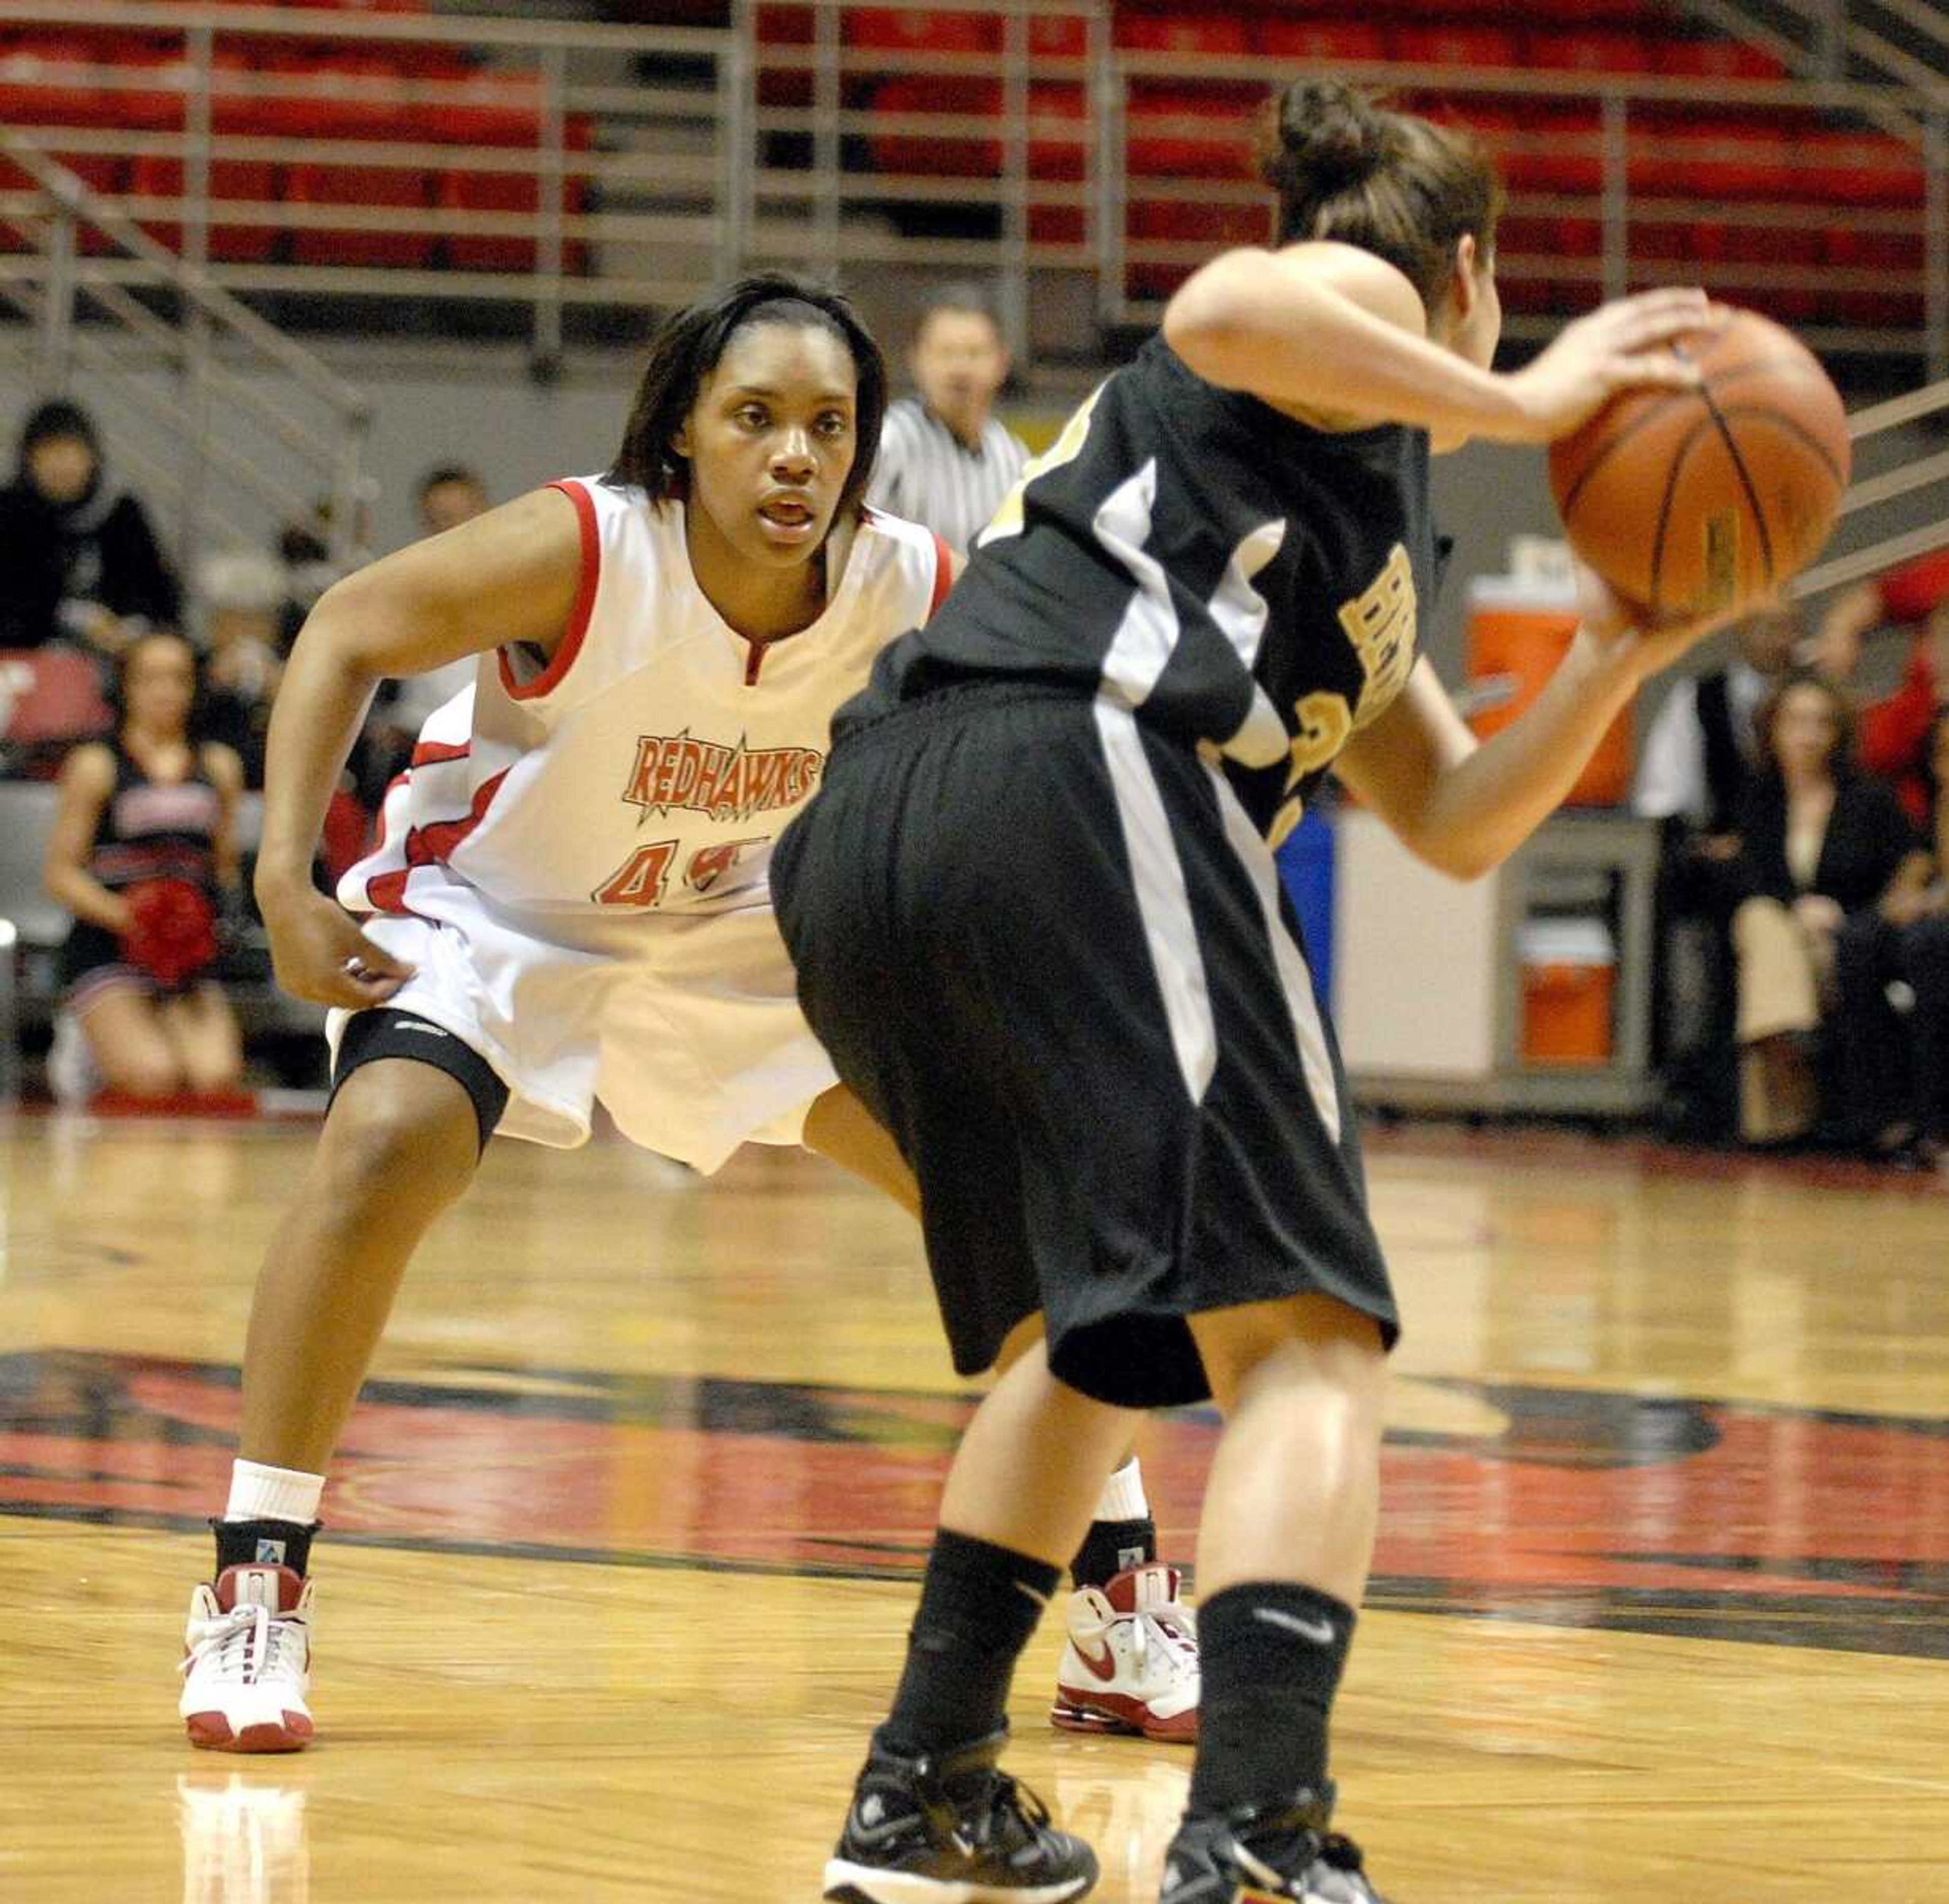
x=1895, y=732
x=945, y=460
x=1699, y=758
x=143, y=854
x=1892, y=1009
x=241, y=598
x=79, y=560
x=1822, y=848
x=450, y=495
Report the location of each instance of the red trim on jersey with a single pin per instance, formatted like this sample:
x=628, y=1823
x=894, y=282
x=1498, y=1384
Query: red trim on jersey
x=943, y=574
x=754, y=659
x=431, y=754
x=551, y=676
x=432, y=844
x=384, y=891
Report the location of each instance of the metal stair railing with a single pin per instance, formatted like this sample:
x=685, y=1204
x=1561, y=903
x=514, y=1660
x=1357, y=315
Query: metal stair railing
x=1873, y=493
x=214, y=339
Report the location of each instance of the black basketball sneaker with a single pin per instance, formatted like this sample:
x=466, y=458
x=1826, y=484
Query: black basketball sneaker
x=950, y=1827
x=1279, y=1854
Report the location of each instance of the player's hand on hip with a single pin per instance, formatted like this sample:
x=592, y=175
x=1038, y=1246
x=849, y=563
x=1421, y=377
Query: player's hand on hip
x=318, y=953
x=1620, y=346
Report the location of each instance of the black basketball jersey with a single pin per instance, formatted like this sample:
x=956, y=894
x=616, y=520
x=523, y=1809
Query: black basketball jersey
x=1237, y=578
x=157, y=829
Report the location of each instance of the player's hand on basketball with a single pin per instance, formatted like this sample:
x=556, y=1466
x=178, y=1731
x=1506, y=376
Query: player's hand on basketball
x=1620, y=346
x=318, y=952
x=1625, y=632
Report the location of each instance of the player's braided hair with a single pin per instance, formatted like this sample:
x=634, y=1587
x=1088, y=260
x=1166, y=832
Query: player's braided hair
x=1347, y=167
x=686, y=351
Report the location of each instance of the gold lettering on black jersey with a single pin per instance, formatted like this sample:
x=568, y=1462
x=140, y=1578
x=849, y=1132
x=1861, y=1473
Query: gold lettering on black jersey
x=1008, y=518
x=1380, y=622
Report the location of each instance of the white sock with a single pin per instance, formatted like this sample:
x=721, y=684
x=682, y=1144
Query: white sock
x=1123, y=1496
x=261, y=1493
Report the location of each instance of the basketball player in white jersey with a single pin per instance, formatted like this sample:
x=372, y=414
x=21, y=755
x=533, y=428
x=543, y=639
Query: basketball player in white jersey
x=568, y=899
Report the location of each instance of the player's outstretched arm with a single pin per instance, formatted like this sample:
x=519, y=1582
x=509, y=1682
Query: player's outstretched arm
x=508, y=575
x=1334, y=331
x=1465, y=807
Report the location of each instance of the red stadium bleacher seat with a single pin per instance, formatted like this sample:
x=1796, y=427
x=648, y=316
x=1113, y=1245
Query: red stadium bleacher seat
x=1715, y=59
x=1319, y=39
x=1858, y=169
x=1210, y=134
x=475, y=190
x=1214, y=35
x=1733, y=160
x=1586, y=50
x=53, y=82
x=927, y=30
x=372, y=186
x=1555, y=149
x=1459, y=44
x=251, y=181
x=343, y=95
x=489, y=109
x=1211, y=226
x=1898, y=258
x=1064, y=37
x=961, y=155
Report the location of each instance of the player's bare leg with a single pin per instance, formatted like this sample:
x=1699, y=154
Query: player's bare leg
x=1284, y=1548
x=1131, y=1662
x=401, y=1143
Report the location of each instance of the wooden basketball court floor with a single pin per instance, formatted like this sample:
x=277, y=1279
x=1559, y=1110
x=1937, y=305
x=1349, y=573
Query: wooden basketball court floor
x=620, y=1553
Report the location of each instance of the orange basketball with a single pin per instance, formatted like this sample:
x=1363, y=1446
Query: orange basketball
x=1691, y=501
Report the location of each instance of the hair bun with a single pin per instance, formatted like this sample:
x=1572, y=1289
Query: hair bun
x=1328, y=137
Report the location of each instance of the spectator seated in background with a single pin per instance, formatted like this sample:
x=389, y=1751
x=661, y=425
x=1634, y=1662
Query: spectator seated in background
x=1824, y=852
x=1890, y=1017
x=239, y=597
x=1699, y=757
x=143, y=854
x=946, y=460
x=80, y=561
x=1895, y=732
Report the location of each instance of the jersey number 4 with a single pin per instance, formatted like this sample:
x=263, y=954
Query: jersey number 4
x=643, y=879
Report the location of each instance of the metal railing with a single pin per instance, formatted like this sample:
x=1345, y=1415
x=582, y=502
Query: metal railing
x=1869, y=496
x=552, y=165
x=167, y=310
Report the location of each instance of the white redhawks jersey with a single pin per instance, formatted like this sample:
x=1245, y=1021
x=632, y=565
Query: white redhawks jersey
x=651, y=763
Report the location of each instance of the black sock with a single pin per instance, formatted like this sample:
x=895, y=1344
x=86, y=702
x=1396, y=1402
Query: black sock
x=1113, y=1547
x=1271, y=1654
x=261, y=1543
x=978, y=1605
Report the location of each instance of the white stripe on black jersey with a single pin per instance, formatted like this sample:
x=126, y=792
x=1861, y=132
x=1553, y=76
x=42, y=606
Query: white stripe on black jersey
x=1236, y=578
x=928, y=474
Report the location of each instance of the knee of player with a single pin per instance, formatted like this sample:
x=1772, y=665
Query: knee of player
x=388, y=1140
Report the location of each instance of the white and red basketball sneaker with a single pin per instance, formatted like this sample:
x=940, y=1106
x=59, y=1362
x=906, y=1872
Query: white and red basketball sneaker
x=1131, y=1664
x=248, y=1660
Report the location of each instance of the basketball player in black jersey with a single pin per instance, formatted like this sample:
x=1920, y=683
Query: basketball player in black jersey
x=1037, y=925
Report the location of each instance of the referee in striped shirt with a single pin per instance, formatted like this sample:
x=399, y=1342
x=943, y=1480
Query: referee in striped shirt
x=945, y=461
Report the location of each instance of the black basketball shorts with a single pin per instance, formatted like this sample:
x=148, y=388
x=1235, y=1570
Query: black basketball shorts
x=1049, y=951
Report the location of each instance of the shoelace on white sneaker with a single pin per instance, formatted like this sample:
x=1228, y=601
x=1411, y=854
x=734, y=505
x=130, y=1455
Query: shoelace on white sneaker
x=245, y=1640
x=1176, y=1632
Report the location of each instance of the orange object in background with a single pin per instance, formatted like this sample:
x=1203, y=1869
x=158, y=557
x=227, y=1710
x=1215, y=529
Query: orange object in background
x=1569, y=985
x=1519, y=631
